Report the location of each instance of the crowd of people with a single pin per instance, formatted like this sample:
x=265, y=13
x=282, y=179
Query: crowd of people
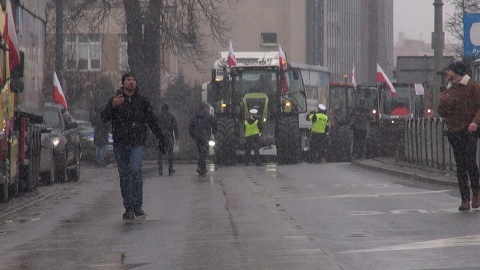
x=128, y=114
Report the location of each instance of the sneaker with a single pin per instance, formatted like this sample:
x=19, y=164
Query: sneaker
x=129, y=214
x=171, y=172
x=138, y=211
x=465, y=206
x=476, y=201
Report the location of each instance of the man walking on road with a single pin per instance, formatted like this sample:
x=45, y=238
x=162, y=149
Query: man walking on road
x=130, y=113
x=100, y=137
x=460, y=106
x=361, y=118
x=168, y=123
x=201, y=127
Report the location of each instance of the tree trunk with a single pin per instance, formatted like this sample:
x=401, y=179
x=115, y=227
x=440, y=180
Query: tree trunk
x=143, y=38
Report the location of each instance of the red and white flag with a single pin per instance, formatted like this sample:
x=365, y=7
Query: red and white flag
x=382, y=78
x=231, y=61
x=354, y=81
x=10, y=37
x=58, y=95
x=282, y=58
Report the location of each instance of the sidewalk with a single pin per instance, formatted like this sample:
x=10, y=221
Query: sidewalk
x=410, y=171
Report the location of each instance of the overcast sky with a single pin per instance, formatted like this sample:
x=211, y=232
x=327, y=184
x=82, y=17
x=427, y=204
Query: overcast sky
x=415, y=18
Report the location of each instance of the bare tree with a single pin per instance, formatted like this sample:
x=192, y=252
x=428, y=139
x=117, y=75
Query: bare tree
x=180, y=26
x=454, y=24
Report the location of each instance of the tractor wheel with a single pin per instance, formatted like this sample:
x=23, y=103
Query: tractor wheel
x=288, y=141
x=225, y=149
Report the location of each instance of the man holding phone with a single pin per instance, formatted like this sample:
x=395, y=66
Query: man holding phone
x=130, y=114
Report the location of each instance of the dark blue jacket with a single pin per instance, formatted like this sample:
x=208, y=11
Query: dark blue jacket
x=201, y=127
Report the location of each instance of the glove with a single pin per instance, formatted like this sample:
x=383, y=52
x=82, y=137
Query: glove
x=162, y=147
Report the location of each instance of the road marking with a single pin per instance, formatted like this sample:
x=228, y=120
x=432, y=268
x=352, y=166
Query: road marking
x=402, y=211
x=363, y=195
x=471, y=240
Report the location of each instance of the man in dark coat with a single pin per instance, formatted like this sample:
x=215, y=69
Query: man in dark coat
x=131, y=114
x=100, y=137
x=201, y=127
x=460, y=106
x=361, y=118
x=169, y=126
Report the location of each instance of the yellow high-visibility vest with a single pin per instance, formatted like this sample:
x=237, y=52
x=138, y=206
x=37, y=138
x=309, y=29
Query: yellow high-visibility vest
x=251, y=129
x=321, y=123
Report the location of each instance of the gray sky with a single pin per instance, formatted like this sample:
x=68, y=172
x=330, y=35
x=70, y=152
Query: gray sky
x=415, y=18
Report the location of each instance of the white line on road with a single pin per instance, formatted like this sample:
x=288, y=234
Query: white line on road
x=363, y=195
x=471, y=240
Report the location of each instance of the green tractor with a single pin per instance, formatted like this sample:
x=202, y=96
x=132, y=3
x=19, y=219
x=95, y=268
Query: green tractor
x=277, y=94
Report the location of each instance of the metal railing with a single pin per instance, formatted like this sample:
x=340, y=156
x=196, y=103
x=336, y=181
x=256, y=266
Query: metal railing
x=427, y=145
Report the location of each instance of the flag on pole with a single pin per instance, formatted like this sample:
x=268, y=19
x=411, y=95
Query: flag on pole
x=10, y=37
x=282, y=58
x=58, y=95
x=354, y=81
x=231, y=61
x=382, y=78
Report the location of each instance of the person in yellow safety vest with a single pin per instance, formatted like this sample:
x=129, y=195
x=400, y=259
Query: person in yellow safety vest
x=318, y=134
x=253, y=128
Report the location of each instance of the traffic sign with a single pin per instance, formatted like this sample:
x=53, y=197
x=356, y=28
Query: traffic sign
x=471, y=34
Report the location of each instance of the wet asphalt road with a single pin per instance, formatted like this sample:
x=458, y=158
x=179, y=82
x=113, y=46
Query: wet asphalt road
x=304, y=216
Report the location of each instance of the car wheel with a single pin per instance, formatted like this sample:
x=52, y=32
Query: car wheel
x=61, y=167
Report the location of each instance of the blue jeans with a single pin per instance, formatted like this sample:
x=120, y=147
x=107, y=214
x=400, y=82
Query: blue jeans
x=100, y=152
x=129, y=164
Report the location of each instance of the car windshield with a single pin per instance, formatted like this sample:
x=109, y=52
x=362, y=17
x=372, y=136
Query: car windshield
x=52, y=117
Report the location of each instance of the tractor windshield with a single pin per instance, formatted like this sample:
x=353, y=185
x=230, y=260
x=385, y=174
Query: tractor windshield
x=255, y=81
x=341, y=102
x=399, y=105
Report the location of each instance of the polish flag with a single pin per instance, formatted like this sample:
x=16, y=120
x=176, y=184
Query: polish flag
x=10, y=37
x=382, y=78
x=58, y=95
x=282, y=58
x=354, y=81
x=231, y=61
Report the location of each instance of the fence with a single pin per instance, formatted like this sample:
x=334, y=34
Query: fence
x=426, y=144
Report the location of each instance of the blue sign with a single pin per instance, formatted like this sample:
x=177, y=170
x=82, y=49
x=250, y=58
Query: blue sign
x=471, y=34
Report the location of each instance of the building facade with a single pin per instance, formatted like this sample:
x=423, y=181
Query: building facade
x=336, y=34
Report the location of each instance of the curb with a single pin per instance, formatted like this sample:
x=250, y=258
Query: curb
x=437, y=179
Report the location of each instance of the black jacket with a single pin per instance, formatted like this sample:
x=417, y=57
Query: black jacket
x=168, y=124
x=130, y=120
x=202, y=125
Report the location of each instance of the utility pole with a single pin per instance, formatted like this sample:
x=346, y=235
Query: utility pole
x=438, y=43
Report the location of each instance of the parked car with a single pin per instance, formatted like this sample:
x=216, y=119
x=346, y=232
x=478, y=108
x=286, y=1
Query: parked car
x=66, y=143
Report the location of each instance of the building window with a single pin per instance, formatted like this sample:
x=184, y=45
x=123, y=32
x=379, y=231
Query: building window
x=269, y=39
x=123, y=55
x=83, y=52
